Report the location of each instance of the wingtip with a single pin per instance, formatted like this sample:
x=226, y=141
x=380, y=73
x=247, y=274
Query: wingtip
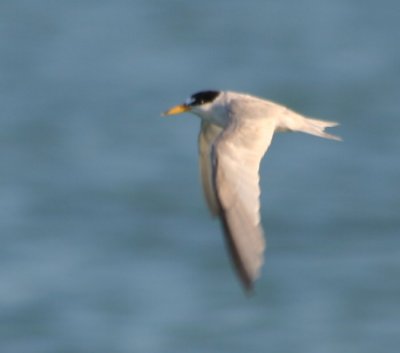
x=247, y=282
x=248, y=288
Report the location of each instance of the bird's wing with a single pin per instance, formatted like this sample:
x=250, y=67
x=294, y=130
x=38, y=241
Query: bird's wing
x=207, y=136
x=236, y=157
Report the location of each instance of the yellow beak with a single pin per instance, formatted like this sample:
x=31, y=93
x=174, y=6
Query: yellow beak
x=178, y=109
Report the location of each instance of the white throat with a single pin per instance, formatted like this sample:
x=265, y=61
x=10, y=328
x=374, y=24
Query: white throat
x=214, y=112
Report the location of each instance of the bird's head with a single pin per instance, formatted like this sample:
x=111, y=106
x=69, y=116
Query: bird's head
x=200, y=103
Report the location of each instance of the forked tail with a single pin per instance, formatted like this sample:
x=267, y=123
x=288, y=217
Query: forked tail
x=317, y=128
x=292, y=121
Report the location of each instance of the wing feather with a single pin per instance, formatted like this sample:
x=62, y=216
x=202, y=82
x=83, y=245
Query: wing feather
x=236, y=155
x=207, y=136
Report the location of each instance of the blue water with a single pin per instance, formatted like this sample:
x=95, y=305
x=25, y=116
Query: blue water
x=106, y=242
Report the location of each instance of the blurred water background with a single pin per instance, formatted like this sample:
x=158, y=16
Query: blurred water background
x=106, y=242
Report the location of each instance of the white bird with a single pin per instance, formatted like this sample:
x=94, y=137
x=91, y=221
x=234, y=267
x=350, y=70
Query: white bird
x=236, y=131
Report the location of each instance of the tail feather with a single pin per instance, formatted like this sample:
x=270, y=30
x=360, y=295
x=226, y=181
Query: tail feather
x=317, y=128
x=292, y=121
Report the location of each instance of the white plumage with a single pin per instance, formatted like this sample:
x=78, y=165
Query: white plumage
x=236, y=131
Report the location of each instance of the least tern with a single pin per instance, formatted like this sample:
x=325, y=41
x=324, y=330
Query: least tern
x=236, y=131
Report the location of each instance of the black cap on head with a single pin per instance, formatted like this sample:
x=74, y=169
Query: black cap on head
x=203, y=97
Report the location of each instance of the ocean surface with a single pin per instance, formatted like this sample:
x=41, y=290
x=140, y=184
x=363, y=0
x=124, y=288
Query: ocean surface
x=106, y=242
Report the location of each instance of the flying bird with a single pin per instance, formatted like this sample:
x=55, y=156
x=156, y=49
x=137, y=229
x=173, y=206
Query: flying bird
x=236, y=131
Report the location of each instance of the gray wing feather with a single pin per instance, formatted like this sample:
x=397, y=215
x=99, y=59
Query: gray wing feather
x=237, y=154
x=207, y=136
